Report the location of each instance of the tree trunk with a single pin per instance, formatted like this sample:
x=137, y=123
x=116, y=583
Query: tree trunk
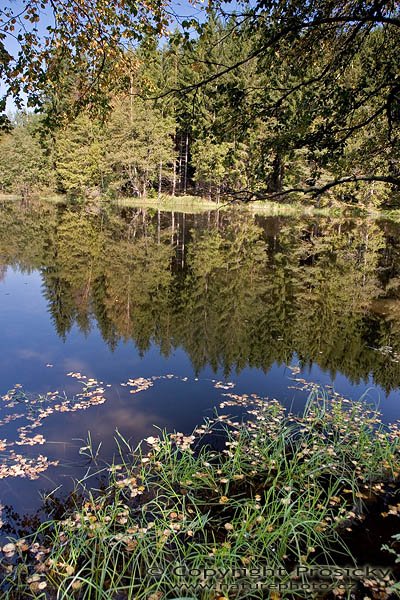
x=174, y=178
x=180, y=164
x=186, y=163
x=275, y=184
x=160, y=180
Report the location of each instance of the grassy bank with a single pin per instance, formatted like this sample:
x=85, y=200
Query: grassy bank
x=188, y=204
x=280, y=495
x=192, y=204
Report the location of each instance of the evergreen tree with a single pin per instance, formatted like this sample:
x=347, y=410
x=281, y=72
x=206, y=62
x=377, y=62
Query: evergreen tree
x=140, y=151
x=80, y=157
x=25, y=167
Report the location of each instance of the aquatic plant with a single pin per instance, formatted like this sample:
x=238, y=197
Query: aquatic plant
x=238, y=509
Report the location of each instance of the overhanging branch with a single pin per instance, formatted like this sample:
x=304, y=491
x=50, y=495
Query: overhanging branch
x=315, y=191
x=280, y=35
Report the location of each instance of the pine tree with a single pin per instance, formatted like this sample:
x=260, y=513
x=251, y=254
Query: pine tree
x=25, y=167
x=80, y=157
x=140, y=149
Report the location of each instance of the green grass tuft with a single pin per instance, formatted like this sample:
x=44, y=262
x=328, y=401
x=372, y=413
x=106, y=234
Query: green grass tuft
x=281, y=493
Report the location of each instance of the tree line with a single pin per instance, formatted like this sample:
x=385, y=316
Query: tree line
x=270, y=102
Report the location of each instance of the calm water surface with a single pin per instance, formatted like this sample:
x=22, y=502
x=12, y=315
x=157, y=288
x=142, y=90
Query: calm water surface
x=204, y=299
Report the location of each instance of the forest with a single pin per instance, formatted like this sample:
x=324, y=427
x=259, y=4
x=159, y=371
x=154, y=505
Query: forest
x=262, y=102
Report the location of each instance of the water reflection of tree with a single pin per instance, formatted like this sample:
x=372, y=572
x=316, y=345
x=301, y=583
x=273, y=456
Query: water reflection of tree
x=25, y=234
x=337, y=285
x=233, y=292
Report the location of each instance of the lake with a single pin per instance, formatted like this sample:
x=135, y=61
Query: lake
x=144, y=318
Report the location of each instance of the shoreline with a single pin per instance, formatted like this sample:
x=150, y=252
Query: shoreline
x=195, y=204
